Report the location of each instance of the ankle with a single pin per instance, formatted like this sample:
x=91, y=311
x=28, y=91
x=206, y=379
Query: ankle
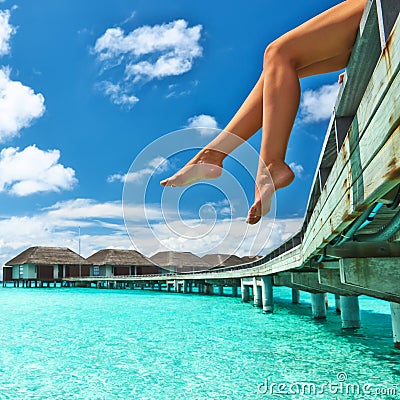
x=211, y=156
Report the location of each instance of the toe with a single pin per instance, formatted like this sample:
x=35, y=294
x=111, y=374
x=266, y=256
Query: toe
x=252, y=220
x=254, y=214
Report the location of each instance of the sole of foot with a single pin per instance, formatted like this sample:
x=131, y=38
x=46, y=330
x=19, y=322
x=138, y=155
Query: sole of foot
x=192, y=173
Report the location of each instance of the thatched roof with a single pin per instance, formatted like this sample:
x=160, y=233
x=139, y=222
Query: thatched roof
x=247, y=259
x=39, y=255
x=222, y=260
x=119, y=257
x=179, y=261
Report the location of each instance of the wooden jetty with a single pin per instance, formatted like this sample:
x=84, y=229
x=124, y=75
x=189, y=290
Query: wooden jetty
x=349, y=242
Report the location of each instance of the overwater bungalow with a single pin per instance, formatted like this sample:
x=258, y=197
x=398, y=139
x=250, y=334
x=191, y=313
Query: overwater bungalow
x=175, y=261
x=45, y=264
x=222, y=260
x=113, y=262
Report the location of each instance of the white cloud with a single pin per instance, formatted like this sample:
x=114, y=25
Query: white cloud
x=129, y=19
x=297, y=169
x=155, y=166
x=19, y=105
x=317, y=105
x=204, y=124
x=33, y=170
x=118, y=94
x=6, y=30
x=149, y=52
x=242, y=239
x=102, y=227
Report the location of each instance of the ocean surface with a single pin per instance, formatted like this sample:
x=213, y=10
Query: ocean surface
x=137, y=344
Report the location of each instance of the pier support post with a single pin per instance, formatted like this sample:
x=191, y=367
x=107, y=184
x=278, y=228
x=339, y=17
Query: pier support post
x=245, y=292
x=295, y=296
x=267, y=294
x=190, y=287
x=350, y=312
x=337, y=303
x=395, y=311
x=176, y=286
x=184, y=287
x=221, y=290
x=257, y=293
x=318, y=305
x=234, y=291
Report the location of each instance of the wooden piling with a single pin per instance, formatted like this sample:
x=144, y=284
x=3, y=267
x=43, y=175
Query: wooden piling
x=295, y=296
x=245, y=292
x=267, y=294
x=318, y=305
x=350, y=312
x=395, y=311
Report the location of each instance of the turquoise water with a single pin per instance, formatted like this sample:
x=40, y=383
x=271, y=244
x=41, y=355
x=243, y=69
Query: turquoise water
x=122, y=344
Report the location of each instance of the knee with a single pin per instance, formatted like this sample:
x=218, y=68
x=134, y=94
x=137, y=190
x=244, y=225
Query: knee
x=277, y=53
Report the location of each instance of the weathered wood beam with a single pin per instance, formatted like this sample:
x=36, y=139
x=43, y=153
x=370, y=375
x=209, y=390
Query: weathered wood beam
x=329, y=278
x=377, y=118
x=310, y=280
x=360, y=250
x=376, y=277
x=362, y=61
x=353, y=190
x=285, y=279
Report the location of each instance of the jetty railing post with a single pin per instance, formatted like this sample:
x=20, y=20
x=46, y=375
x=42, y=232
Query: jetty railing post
x=350, y=312
x=318, y=305
x=395, y=311
x=267, y=294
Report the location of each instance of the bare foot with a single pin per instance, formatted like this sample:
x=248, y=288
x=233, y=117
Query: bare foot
x=207, y=164
x=281, y=175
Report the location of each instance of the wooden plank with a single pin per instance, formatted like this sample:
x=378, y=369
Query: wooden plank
x=377, y=88
x=378, y=183
x=389, y=11
x=385, y=120
x=384, y=73
x=362, y=62
x=289, y=260
x=380, y=176
x=377, y=91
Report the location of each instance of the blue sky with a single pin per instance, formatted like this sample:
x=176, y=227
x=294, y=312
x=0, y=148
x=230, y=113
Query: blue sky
x=86, y=86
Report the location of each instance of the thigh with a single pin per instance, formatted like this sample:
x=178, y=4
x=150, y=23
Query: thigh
x=323, y=37
x=322, y=67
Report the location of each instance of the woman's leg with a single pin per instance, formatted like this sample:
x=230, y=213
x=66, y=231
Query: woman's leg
x=245, y=123
x=327, y=35
x=207, y=163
